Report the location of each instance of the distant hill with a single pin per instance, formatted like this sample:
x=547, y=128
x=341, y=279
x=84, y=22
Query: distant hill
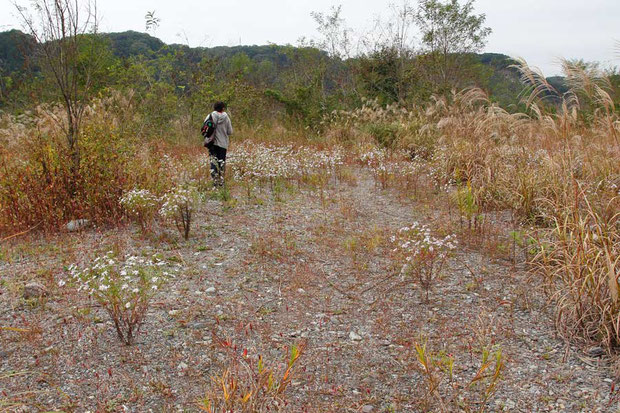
x=504, y=84
x=558, y=83
x=131, y=43
x=15, y=50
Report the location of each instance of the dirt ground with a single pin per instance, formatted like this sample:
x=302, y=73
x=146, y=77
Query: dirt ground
x=264, y=275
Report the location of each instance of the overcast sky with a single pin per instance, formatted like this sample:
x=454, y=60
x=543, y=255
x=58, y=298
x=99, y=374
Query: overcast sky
x=541, y=31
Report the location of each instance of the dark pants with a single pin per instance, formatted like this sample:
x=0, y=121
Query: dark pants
x=218, y=163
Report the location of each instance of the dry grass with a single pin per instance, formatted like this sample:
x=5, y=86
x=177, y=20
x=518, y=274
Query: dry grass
x=581, y=261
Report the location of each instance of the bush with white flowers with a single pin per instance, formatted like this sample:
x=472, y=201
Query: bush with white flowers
x=123, y=288
x=178, y=207
x=420, y=254
x=258, y=164
x=140, y=205
x=395, y=167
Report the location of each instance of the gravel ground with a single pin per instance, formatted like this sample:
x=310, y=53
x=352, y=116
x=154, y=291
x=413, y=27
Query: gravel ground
x=266, y=275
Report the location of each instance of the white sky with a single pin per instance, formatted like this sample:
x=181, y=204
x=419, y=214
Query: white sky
x=541, y=31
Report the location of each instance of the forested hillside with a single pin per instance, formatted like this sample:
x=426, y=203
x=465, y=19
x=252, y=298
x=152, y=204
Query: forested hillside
x=262, y=67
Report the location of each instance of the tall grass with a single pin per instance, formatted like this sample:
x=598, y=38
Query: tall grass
x=581, y=259
x=555, y=168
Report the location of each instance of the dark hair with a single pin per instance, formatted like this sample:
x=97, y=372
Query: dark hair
x=219, y=106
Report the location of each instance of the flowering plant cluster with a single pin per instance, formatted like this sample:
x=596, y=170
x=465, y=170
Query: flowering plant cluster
x=373, y=157
x=311, y=160
x=200, y=173
x=123, y=288
x=387, y=168
x=178, y=206
x=420, y=254
x=141, y=205
x=173, y=169
x=262, y=163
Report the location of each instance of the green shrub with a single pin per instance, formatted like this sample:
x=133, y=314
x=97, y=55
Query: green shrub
x=385, y=134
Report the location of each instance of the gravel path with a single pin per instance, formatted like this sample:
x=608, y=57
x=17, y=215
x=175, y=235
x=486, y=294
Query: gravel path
x=266, y=275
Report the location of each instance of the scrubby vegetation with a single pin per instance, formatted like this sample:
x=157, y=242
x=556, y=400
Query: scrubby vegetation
x=501, y=166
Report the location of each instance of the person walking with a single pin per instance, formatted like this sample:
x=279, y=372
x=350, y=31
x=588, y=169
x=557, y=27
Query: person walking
x=221, y=140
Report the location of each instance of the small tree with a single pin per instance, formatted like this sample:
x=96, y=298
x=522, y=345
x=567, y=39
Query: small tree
x=385, y=67
x=66, y=34
x=450, y=32
x=336, y=37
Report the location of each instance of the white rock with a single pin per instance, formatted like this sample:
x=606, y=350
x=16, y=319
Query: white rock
x=354, y=336
x=210, y=290
x=77, y=224
x=182, y=366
